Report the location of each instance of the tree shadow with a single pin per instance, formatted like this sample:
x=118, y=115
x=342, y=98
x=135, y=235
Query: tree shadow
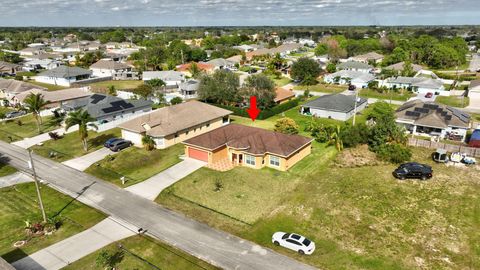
x=100, y=140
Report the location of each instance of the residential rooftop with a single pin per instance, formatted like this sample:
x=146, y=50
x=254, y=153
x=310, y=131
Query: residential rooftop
x=335, y=102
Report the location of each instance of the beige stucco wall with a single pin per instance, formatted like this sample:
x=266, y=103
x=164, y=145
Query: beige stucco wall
x=305, y=151
x=192, y=132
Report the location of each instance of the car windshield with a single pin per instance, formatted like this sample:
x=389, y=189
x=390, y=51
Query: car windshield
x=285, y=236
x=296, y=237
x=306, y=242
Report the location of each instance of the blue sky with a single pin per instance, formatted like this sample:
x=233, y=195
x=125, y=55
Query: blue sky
x=236, y=12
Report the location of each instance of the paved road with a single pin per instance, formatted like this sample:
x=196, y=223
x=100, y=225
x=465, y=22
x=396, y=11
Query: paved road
x=83, y=162
x=13, y=179
x=216, y=247
x=74, y=248
x=151, y=188
x=475, y=63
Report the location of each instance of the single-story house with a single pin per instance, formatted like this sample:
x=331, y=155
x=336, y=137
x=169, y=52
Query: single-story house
x=10, y=88
x=63, y=75
x=174, y=124
x=106, y=108
x=358, y=78
x=398, y=67
x=220, y=63
x=244, y=48
x=432, y=119
x=249, y=146
x=336, y=106
x=54, y=99
x=189, y=88
x=171, y=78
x=36, y=64
x=6, y=67
x=355, y=66
x=204, y=67
x=107, y=68
x=415, y=84
x=283, y=95
x=368, y=57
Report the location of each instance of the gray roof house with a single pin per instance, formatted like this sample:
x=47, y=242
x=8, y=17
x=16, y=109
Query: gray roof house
x=220, y=63
x=63, y=75
x=356, y=66
x=399, y=67
x=336, y=106
x=106, y=108
x=416, y=84
x=189, y=88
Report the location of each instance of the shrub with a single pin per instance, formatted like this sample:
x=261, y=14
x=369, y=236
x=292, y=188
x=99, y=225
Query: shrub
x=176, y=100
x=264, y=114
x=54, y=135
x=394, y=153
x=218, y=185
x=286, y=125
x=354, y=135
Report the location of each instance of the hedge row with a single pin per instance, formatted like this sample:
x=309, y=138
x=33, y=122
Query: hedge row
x=264, y=114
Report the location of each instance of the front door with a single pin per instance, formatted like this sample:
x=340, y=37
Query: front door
x=240, y=159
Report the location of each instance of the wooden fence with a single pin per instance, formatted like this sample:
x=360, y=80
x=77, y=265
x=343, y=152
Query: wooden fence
x=474, y=152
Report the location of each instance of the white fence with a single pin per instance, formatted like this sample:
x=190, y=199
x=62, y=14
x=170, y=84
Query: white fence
x=116, y=122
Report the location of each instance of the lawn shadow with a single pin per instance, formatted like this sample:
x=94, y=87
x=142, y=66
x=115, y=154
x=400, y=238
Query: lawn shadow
x=15, y=255
x=100, y=140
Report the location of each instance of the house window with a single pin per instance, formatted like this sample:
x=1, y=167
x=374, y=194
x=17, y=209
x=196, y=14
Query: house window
x=250, y=160
x=274, y=161
x=208, y=125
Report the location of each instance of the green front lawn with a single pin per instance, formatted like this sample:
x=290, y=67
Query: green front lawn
x=324, y=88
x=50, y=87
x=359, y=217
x=18, y=204
x=23, y=127
x=6, y=170
x=5, y=110
x=119, y=85
x=454, y=101
x=136, y=164
x=281, y=81
x=400, y=96
x=137, y=251
x=70, y=146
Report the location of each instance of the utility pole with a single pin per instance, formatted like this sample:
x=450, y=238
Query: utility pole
x=355, y=107
x=40, y=202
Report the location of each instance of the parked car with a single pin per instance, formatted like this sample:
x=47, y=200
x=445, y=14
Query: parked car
x=429, y=95
x=294, y=242
x=413, y=170
x=352, y=87
x=109, y=143
x=120, y=145
x=14, y=114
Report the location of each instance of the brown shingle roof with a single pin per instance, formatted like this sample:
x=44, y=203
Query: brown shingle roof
x=56, y=96
x=283, y=94
x=172, y=119
x=15, y=87
x=255, y=141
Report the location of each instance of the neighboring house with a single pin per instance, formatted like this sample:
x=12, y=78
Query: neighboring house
x=283, y=95
x=174, y=124
x=358, y=78
x=55, y=99
x=108, y=68
x=355, y=66
x=9, y=68
x=204, y=67
x=37, y=64
x=171, y=78
x=398, y=67
x=10, y=88
x=63, y=75
x=189, y=88
x=244, y=48
x=30, y=51
x=109, y=108
x=220, y=63
x=432, y=119
x=336, y=106
x=368, y=58
x=249, y=146
x=236, y=59
x=415, y=84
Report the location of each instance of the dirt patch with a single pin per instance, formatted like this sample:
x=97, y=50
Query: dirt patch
x=357, y=157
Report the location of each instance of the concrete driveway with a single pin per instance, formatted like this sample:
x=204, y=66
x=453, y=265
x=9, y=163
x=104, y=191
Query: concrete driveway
x=13, y=179
x=152, y=187
x=74, y=248
x=83, y=162
x=474, y=101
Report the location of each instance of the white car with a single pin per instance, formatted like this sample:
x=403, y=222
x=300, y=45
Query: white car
x=294, y=242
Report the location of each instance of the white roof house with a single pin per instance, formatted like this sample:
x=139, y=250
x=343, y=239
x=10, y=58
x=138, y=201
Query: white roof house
x=358, y=78
x=170, y=77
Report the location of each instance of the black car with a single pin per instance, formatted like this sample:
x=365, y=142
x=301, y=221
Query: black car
x=14, y=114
x=120, y=145
x=109, y=142
x=352, y=87
x=413, y=170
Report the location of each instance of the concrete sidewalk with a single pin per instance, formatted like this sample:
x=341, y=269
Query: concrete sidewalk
x=74, y=248
x=83, y=162
x=29, y=142
x=151, y=188
x=13, y=179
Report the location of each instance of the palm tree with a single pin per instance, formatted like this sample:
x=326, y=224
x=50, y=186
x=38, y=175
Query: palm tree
x=194, y=70
x=112, y=90
x=148, y=143
x=83, y=119
x=334, y=137
x=35, y=103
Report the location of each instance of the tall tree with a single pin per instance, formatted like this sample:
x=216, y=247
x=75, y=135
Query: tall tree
x=221, y=87
x=35, y=103
x=306, y=71
x=262, y=87
x=84, y=120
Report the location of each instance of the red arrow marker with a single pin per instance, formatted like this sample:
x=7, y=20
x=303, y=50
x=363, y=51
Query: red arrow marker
x=253, y=111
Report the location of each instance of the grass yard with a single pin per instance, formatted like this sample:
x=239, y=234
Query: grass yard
x=369, y=93
x=6, y=170
x=359, y=217
x=10, y=130
x=454, y=101
x=136, y=164
x=119, y=85
x=324, y=88
x=70, y=146
x=5, y=110
x=18, y=204
x=281, y=81
x=137, y=249
x=50, y=87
